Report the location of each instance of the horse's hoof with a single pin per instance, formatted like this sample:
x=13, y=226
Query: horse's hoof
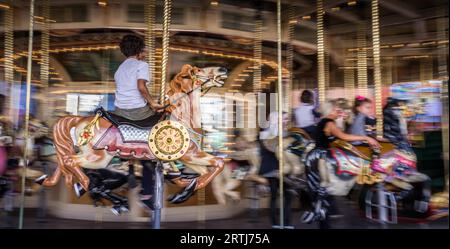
x=124, y=208
x=421, y=206
x=185, y=194
x=40, y=179
x=307, y=217
x=115, y=210
x=79, y=190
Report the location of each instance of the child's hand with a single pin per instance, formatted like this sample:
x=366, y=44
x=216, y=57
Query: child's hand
x=157, y=107
x=373, y=143
x=171, y=108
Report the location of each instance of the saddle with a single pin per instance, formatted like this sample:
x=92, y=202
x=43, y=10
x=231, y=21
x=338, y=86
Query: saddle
x=126, y=137
x=362, y=151
x=116, y=120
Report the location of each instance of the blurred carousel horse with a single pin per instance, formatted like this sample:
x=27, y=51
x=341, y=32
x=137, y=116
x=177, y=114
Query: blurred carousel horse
x=100, y=138
x=296, y=146
x=243, y=165
x=346, y=165
x=13, y=154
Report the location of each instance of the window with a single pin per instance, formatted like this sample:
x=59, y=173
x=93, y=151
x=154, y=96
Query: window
x=237, y=21
x=136, y=14
x=69, y=13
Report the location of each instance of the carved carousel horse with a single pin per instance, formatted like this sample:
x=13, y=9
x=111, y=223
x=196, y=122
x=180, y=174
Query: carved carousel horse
x=346, y=165
x=91, y=142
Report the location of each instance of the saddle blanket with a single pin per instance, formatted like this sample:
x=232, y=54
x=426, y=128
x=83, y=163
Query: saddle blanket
x=126, y=141
x=131, y=134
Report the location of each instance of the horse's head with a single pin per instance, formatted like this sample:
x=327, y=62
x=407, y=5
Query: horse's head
x=190, y=78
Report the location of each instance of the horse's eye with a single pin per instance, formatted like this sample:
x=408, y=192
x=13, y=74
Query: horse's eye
x=186, y=77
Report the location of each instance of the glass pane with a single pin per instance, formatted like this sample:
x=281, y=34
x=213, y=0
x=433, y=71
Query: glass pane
x=222, y=86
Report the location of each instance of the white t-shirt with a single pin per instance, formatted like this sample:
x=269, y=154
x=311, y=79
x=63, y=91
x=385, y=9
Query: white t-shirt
x=304, y=116
x=126, y=77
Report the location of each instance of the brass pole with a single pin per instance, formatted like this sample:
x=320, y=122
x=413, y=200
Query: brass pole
x=290, y=59
x=45, y=46
x=362, y=58
x=377, y=67
x=257, y=53
x=9, y=44
x=45, y=43
x=165, y=48
x=150, y=6
x=320, y=52
x=27, y=111
x=280, y=115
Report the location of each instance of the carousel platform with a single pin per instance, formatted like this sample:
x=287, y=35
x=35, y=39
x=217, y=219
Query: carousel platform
x=350, y=219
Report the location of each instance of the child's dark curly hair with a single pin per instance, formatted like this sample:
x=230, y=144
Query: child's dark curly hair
x=307, y=97
x=131, y=45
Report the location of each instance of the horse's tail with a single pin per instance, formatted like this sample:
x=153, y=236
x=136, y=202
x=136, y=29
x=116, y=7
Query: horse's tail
x=64, y=147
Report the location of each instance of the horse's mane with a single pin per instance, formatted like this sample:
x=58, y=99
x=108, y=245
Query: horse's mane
x=176, y=84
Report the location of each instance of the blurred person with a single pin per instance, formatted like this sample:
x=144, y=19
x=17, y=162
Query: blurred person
x=327, y=131
x=363, y=122
x=345, y=119
x=305, y=114
x=133, y=100
x=3, y=136
x=269, y=169
x=394, y=124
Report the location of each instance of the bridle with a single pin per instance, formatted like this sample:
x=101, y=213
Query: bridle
x=194, y=80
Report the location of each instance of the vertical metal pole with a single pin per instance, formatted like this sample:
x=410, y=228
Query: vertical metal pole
x=27, y=110
x=280, y=115
x=165, y=48
x=44, y=66
x=442, y=28
x=377, y=67
x=320, y=52
x=362, y=59
x=382, y=208
x=150, y=6
x=9, y=44
x=290, y=59
x=159, y=192
x=257, y=53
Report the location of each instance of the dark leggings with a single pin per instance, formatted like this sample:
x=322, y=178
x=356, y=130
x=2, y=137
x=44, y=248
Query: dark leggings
x=274, y=185
x=148, y=172
x=311, y=130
